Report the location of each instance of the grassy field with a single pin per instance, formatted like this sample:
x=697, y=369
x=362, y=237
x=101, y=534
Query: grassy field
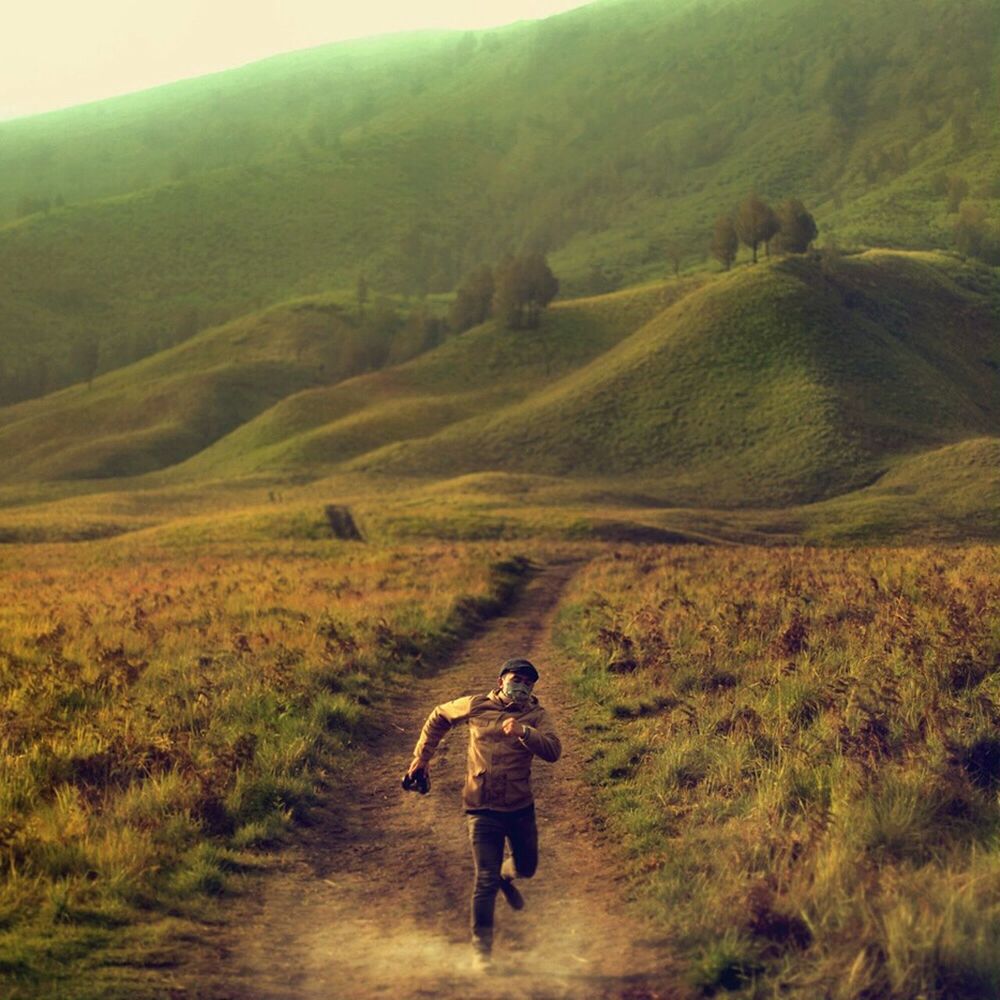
x=167, y=715
x=799, y=749
x=796, y=745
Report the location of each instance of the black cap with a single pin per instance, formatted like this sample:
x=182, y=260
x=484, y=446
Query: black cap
x=519, y=666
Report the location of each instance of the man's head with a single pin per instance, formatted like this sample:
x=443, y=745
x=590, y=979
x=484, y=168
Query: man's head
x=517, y=678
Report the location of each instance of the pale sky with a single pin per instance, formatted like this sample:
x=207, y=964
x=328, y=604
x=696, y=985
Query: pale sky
x=56, y=53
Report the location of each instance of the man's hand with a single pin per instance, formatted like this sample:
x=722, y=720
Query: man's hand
x=511, y=727
x=417, y=779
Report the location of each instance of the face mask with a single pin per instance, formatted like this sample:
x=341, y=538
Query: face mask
x=515, y=688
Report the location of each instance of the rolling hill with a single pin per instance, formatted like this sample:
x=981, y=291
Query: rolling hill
x=178, y=273
x=160, y=410
x=807, y=396
x=777, y=384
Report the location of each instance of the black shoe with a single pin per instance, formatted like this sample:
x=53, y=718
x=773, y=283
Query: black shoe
x=511, y=894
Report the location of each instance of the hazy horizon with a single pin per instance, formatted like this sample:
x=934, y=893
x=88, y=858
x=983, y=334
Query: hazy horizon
x=116, y=47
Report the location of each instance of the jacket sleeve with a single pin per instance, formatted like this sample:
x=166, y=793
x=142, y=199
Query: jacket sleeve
x=542, y=740
x=438, y=723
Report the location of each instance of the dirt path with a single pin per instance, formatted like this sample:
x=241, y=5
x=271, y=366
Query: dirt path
x=376, y=903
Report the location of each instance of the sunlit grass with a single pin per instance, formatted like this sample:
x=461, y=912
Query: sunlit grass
x=165, y=714
x=799, y=750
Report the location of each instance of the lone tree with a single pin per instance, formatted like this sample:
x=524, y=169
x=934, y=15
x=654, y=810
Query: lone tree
x=797, y=227
x=756, y=223
x=473, y=300
x=725, y=242
x=524, y=286
x=421, y=332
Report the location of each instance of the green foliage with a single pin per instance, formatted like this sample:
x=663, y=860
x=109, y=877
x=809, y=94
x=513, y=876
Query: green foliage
x=755, y=223
x=974, y=237
x=725, y=242
x=956, y=191
x=26, y=205
x=422, y=331
x=524, y=286
x=473, y=300
x=796, y=227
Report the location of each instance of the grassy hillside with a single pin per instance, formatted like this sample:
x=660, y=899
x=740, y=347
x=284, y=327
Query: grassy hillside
x=480, y=372
x=802, y=379
x=785, y=382
x=938, y=495
x=607, y=135
x=160, y=410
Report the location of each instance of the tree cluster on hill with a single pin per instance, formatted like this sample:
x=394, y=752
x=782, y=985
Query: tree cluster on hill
x=385, y=334
x=24, y=379
x=525, y=285
x=86, y=353
x=973, y=232
x=473, y=299
x=32, y=374
x=790, y=227
x=516, y=291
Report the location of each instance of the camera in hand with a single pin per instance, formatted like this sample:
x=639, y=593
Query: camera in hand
x=419, y=781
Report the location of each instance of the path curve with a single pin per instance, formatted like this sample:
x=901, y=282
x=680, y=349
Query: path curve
x=375, y=904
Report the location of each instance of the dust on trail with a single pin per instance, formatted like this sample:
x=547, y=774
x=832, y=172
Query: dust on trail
x=376, y=902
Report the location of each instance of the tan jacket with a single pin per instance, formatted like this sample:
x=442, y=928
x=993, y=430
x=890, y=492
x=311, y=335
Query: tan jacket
x=499, y=766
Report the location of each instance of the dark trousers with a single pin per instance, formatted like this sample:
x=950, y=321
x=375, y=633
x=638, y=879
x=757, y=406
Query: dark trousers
x=488, y=829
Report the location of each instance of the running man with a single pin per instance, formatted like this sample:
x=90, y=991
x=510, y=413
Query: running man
x=507, y=729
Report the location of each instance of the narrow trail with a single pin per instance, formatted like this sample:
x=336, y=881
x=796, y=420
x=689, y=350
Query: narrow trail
x=376, y=902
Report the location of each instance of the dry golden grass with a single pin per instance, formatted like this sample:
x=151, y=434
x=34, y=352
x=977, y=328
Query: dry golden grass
x=800, y=748
x=164, y=713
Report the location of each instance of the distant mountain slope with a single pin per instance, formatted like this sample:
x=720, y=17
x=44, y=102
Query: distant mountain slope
x=161, y=410
x=606, y=135
x=478, y=372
